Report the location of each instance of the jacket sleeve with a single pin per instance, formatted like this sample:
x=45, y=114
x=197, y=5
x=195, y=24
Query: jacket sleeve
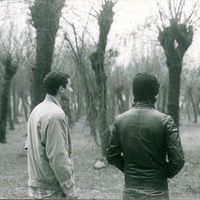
x=174, y=149
x=114, y=152
x=57, y=153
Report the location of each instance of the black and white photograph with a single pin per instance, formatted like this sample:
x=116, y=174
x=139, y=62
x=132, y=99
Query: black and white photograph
x=100, y=99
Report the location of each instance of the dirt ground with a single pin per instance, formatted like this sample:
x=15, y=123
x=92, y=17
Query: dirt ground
x=106, y=183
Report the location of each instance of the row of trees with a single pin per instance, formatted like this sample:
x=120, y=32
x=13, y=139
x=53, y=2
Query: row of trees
x=101, y=90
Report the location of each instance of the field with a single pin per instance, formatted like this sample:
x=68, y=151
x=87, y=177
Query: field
x=106, y=183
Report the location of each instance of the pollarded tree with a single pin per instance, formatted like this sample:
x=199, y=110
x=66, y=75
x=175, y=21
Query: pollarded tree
x=10, y=58
x=105, y=19
x=175, y=38
x=45, y=18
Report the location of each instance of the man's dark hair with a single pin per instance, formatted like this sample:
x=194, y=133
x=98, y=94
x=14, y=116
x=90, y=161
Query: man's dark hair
x=54, y=80
x=145, y=87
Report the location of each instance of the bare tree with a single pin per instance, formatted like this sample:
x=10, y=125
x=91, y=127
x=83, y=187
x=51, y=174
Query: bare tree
x=10, y=59
x=105, y=19
x=175, y=38
x=78, y=55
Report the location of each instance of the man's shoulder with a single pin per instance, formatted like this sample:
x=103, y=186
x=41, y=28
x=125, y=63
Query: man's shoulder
x=48, y=110
x=125, y=115
x=165, y=117
x=152, y=113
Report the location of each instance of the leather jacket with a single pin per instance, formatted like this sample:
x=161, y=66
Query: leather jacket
x=145, y=145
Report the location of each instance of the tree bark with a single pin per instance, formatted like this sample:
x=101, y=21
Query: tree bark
x=188, y=111
x=164, y=99
x=122, y=104
x=10, y=115
x=174, y=93
x=197, y=106
x=15, y=104
x=105, y=20
x=10, y=71
x=182, y=35
x=45, y=17
x=65, y=103
x=91, y=110
x=190, y=93
x=112, y=106
x=24, y=98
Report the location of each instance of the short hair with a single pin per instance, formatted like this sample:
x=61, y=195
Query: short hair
x=145, y=87
x=54, y=80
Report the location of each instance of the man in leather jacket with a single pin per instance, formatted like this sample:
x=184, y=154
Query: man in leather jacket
x=145, y=144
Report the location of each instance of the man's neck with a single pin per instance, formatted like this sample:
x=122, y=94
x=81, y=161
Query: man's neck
x=146, y=102
x=57, y=98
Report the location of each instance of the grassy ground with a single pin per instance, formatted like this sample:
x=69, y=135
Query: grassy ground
x=106, y=183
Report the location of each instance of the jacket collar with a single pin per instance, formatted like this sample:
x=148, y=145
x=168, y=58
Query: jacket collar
x=52, y=99
x=144, y=104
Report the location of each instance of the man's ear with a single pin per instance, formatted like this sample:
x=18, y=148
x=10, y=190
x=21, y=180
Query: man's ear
x=61, y=89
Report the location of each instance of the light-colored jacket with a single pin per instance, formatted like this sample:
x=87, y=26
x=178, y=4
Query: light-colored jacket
x=49, y=148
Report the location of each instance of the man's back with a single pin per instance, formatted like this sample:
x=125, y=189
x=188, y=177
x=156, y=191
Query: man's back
x=49, y=149
x=40, y=172
x=142, y=136
x=145, y=137
x=145, y=144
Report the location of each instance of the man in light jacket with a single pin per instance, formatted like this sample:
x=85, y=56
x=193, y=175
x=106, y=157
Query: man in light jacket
x=50, y=167
x=145, y=144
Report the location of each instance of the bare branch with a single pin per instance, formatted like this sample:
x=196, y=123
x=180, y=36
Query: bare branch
x=197, y=20
x=76, y=40
x=97, y=13
x=192, y=14
x=175, y=10
x=163, y=15
x=160, y=13
x=180, y=9
x=170, y=8
x=66, y=37
x=84, y=29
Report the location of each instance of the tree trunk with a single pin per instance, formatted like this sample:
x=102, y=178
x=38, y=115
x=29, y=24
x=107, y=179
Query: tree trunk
x=188, y=111
x=182, y=34
x=84, y=81
x=75, y=107
x=103, y=123
x=173, y=94
x=159, y=101
x=79, y=99
x=112, y=107
x=44, y=54
x=164, y=99
x=65, y=103
x=24, y=97
x=15, y=105
x=127, y=95
x=10, y=114
x=190, y=93
x=45, y=17
x=197, y=106
x=91, y=110
x=105, y=20
x=122, y=104
x=9, y=73
x=102, y=103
